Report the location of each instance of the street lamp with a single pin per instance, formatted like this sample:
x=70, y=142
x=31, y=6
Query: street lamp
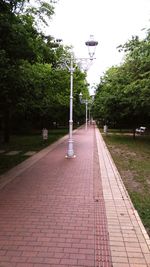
x=91, y=102
x=86, y=102
x=91, y=44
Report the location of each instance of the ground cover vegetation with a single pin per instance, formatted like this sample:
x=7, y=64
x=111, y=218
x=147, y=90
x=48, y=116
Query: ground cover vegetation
x=34, y=87
x=132, y=158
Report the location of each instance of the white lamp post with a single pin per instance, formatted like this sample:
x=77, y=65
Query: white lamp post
x=86, y=102
x=70, y=151
x=91, y=102
x=91, y=47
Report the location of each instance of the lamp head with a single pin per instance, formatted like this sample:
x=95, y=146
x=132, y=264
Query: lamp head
x=91, y=44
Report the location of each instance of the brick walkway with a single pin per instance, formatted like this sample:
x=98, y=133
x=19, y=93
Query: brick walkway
x=70, y=212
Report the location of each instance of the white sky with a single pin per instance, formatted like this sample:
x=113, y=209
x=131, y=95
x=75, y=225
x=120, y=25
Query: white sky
x=112, y=22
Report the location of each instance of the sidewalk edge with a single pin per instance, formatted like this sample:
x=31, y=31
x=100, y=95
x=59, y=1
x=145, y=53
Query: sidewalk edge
x=119, y=180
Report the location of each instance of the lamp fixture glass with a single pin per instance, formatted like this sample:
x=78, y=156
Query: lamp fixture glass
x=91, y=44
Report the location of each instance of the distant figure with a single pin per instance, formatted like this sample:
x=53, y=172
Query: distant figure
x=45, y=134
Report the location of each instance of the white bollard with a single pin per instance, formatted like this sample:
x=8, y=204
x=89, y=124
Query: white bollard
x=105, y=129
x=45, y=134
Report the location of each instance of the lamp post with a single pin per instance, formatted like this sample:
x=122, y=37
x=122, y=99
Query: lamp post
x=86, y=102
x=91, y=44
x=70, y=151
x=91, y=102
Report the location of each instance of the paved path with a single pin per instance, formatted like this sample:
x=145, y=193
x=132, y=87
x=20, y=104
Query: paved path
x=70, y=212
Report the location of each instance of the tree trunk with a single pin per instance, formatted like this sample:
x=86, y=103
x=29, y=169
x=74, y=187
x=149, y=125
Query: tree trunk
x=134, y=134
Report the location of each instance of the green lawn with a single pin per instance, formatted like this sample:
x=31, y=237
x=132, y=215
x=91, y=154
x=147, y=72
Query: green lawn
x=25, y=143
x=132, y=158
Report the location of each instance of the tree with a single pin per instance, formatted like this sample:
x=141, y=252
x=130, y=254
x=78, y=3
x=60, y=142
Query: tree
x=33, y=86
x=123, y=94
x=19, y=41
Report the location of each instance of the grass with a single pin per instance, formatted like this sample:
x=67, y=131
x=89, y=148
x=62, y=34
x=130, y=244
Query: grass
x=25, y=143
x=132, y=158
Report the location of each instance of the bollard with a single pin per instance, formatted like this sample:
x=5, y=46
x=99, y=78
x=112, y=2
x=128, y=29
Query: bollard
x=45, y=134
x=105, y=129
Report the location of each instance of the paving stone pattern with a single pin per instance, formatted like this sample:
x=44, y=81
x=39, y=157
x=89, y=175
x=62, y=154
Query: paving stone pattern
x=16, y=152
x=48, y=212
x=102, y=249
x=13, y=153
x=70, y=212
x=30, y=153
x=129, y=242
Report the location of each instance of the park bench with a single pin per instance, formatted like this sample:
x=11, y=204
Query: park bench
x=140, y=130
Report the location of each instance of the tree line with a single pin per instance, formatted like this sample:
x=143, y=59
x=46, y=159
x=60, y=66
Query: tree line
x=123, y=94
x=34, y=88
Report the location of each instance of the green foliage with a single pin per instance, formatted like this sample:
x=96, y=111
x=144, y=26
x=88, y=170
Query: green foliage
x=142, y=204
x=33, y=86
x=123, y=95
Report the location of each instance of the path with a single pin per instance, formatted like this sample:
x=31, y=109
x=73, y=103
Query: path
x=70, y=212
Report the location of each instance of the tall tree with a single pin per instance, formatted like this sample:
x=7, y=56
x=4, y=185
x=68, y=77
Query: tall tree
x=123, y=94
x=19, y=40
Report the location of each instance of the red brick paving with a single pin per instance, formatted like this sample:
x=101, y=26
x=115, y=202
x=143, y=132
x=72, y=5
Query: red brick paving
x=70, y=212
x=53, y=213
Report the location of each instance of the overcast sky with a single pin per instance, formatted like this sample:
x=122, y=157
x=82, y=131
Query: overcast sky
x=112, y=22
